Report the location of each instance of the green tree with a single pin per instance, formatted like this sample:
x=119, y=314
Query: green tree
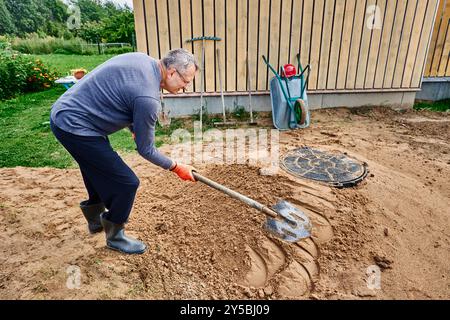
x=100, y=20
x=91, y=31
x=7, y=25
x=26, y=15
x=56, y=17
x=58, y=10
x=91, y=10
x=29, y=16
x=120, y=27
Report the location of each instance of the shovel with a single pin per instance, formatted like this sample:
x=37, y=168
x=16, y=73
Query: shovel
x=284, y=220
x=251, y=122
x=224, y=122
x=163, y=114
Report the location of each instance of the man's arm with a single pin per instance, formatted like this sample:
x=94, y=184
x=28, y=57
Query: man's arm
x=144, y=122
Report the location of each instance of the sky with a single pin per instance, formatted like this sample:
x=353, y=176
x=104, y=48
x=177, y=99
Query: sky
x=122, y=2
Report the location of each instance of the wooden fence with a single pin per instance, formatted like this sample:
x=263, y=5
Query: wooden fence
x=352, y=45
x=438, y=60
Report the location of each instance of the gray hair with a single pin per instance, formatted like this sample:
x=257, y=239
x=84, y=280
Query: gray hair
x=180, y=59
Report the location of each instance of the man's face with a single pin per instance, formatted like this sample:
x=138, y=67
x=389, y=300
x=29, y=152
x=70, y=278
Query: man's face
x=178, y=80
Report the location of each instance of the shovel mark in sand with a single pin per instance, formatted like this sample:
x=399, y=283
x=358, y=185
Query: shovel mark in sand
x=295, y=272
x=307, y=261
x=310, y=247
x=257, y=275
x=294, y=281
x=322, y=231
x=269, y=263
x=265, y=262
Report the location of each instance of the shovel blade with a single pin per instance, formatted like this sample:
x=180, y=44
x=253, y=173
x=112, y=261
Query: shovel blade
x=164, y=117
x=292, y=225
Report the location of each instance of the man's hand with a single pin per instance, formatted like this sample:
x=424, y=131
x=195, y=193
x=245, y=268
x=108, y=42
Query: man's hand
x=184, y=171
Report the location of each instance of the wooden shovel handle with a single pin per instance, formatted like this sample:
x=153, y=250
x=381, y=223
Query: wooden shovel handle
x=236, y=195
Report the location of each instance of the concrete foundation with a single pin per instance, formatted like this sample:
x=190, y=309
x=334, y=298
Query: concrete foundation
x=434, y=89
x=184, y=105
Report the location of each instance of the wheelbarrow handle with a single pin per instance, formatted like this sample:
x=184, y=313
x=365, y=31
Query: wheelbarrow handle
x=270, y=67
x=236, y=195
x=299, y=65
x=300, y=68
x=308, y=67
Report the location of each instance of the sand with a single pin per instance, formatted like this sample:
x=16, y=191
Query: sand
x=386, y=238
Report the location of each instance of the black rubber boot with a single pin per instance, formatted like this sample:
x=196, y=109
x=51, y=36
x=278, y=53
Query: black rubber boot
x=92, y=214
x=117, y=240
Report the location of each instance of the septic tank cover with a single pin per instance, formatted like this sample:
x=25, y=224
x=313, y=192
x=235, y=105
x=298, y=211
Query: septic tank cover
x=335, y=169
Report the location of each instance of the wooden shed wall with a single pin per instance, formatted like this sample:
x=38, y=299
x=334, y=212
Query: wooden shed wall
x=332, y=35
x=438, y=60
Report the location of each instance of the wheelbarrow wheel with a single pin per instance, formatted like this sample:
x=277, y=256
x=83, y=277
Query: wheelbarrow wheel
x=300, y=107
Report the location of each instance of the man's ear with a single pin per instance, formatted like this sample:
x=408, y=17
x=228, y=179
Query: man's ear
x=171, y=71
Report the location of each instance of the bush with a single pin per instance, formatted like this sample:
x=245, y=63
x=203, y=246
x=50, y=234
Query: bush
x=118, y=50
x=33, y=44
x=13, y=75
x=19, y=73
x=5, y=44
x=61, y=51
x=39, y=76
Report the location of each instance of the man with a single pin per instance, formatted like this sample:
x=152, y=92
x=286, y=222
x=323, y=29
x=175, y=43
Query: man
x=122, y=92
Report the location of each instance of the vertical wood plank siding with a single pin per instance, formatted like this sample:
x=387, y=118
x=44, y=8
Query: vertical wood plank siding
x=350, y=44
x=439, y=54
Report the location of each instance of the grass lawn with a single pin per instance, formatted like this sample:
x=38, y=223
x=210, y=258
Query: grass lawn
x=442, y=105
x=26, y=138
x=25, y=135
x=63, y=63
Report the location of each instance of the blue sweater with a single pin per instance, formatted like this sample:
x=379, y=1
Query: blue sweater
x=122, y=92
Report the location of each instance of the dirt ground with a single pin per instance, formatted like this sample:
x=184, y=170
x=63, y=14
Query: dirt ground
x=394, y=226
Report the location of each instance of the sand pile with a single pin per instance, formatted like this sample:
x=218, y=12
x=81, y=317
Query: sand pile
x=394, y=226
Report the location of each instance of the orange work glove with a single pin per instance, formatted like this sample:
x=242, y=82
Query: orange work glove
x=184, y=171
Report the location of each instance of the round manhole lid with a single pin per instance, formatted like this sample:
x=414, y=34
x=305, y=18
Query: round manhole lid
x=336, y=169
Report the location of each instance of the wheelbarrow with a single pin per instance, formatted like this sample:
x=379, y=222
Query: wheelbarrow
x=288, y=97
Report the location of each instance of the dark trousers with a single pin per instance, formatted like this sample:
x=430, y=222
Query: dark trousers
x=106, y=176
